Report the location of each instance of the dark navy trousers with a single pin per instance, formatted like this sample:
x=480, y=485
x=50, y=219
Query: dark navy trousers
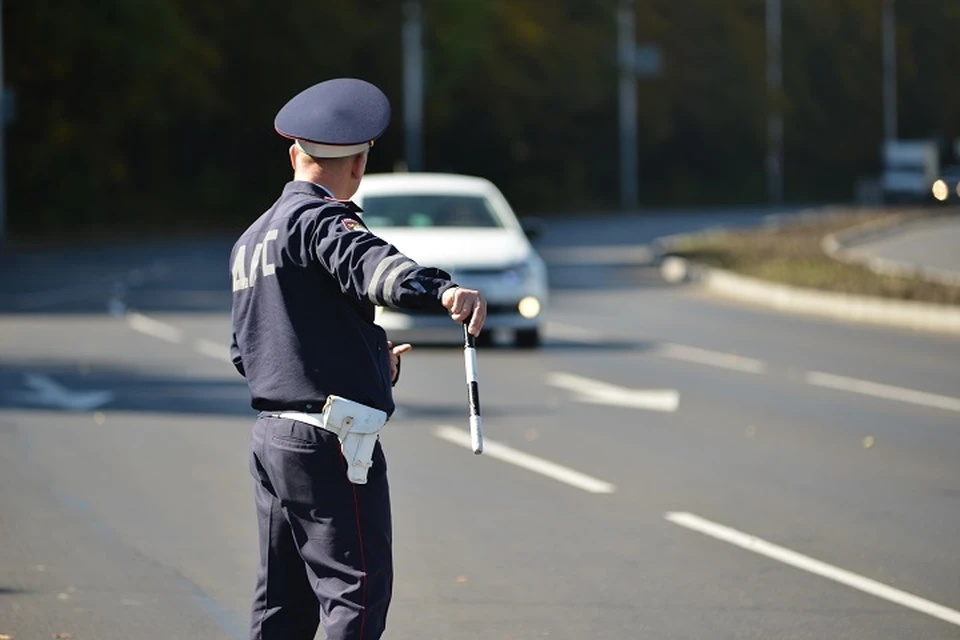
x=325, y=543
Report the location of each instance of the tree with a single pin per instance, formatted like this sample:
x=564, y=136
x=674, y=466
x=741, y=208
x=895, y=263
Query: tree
x=99, y=84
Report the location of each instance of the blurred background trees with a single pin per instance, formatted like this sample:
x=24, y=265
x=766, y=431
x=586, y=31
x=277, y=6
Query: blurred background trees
x=159, y=113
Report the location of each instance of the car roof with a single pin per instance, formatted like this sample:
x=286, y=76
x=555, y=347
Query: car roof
x=380, y=183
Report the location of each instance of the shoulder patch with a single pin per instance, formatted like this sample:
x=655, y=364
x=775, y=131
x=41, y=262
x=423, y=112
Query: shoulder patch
x=353, y=225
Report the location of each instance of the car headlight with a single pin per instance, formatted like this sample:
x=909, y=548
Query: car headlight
x=529, y=307
x=940, y=190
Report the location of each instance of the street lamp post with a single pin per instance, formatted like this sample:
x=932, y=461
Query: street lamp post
x=3, y=140
x=889, y=72
x=413, y=85
x=626, y=20
x=775, y=114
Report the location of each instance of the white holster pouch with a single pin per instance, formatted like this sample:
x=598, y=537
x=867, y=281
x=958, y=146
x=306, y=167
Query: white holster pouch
x=356, y=425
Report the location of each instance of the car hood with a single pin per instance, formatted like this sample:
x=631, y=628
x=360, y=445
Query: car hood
x=459, y=248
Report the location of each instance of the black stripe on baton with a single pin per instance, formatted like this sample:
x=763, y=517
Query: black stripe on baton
x=473, y=395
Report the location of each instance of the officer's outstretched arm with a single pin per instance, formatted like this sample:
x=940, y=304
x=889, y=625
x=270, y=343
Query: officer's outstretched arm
x=367, y=267
x=466, y=306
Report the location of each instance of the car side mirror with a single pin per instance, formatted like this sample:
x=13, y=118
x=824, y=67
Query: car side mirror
x=533, y=227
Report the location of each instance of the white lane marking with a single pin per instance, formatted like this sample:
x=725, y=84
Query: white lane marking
x=878, y=390
x=47, y=391
x=561, y=331
x=526, y=461
x=806, y=563
x=712, y=358
x=596, y=392
x=212, y=349
x=573, y=333
x=155, y=328
x=170, y=333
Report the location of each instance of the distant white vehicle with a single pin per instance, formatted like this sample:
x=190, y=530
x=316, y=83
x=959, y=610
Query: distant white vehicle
x=910, y=168
x=464, y=225
x=946, y=188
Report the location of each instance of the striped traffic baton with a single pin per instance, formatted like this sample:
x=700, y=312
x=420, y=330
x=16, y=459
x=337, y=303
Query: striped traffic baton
x=473, y=391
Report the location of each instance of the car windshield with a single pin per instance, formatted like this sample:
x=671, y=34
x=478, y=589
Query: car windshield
x=434, y=210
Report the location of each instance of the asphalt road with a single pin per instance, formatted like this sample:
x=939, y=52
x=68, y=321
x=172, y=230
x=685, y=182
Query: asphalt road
x=934, y=244
x=669, y=465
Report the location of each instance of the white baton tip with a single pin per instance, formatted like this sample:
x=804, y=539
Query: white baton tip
x=476, y=434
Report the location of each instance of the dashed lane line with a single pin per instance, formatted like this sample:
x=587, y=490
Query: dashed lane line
x=217, y=351
x=711, y=358
x=743, y=364
x=155, y=328
x=812, y=565
x=526, y=461
x=175, y=335
x=886, y=391
x=213, y=350
x=732, y=361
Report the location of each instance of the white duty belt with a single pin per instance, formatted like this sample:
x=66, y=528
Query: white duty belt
x=356, y=426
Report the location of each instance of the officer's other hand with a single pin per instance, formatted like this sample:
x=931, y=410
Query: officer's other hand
x=463, y=304
x=395, y=352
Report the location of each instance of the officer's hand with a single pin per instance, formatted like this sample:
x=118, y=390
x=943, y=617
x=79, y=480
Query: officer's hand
x=395, y=352
x=463, y=304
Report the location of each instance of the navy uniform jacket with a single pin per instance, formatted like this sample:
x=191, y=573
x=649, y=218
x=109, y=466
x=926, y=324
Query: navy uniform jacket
x=306, y=277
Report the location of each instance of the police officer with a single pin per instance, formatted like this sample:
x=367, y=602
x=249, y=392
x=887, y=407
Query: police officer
x=306, y=278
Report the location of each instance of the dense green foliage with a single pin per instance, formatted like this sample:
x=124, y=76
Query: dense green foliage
x=160, y=112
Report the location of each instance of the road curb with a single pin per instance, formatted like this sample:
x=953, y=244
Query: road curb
x=842, y=246
x=871, y=310
x=865, y=309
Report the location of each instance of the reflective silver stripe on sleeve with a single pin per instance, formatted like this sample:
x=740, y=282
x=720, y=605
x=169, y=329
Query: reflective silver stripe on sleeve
x=391, y=279
x=377, y=276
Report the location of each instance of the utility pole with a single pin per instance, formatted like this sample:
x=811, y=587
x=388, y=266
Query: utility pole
x=889, y=72
x=412, y=85
x=626, y=21
x=775, y=113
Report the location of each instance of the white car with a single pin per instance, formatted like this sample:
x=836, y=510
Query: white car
x=464, y=225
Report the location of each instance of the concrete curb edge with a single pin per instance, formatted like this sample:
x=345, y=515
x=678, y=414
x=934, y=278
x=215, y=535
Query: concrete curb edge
x=863, y=309
x=871, y=310
x=842, y=246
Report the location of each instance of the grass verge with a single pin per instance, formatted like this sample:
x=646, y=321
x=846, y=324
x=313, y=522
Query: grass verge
x=790, y=253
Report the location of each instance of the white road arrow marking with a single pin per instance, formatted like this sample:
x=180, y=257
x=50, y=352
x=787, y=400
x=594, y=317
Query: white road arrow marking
x=597, y=392
x=47, y=391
